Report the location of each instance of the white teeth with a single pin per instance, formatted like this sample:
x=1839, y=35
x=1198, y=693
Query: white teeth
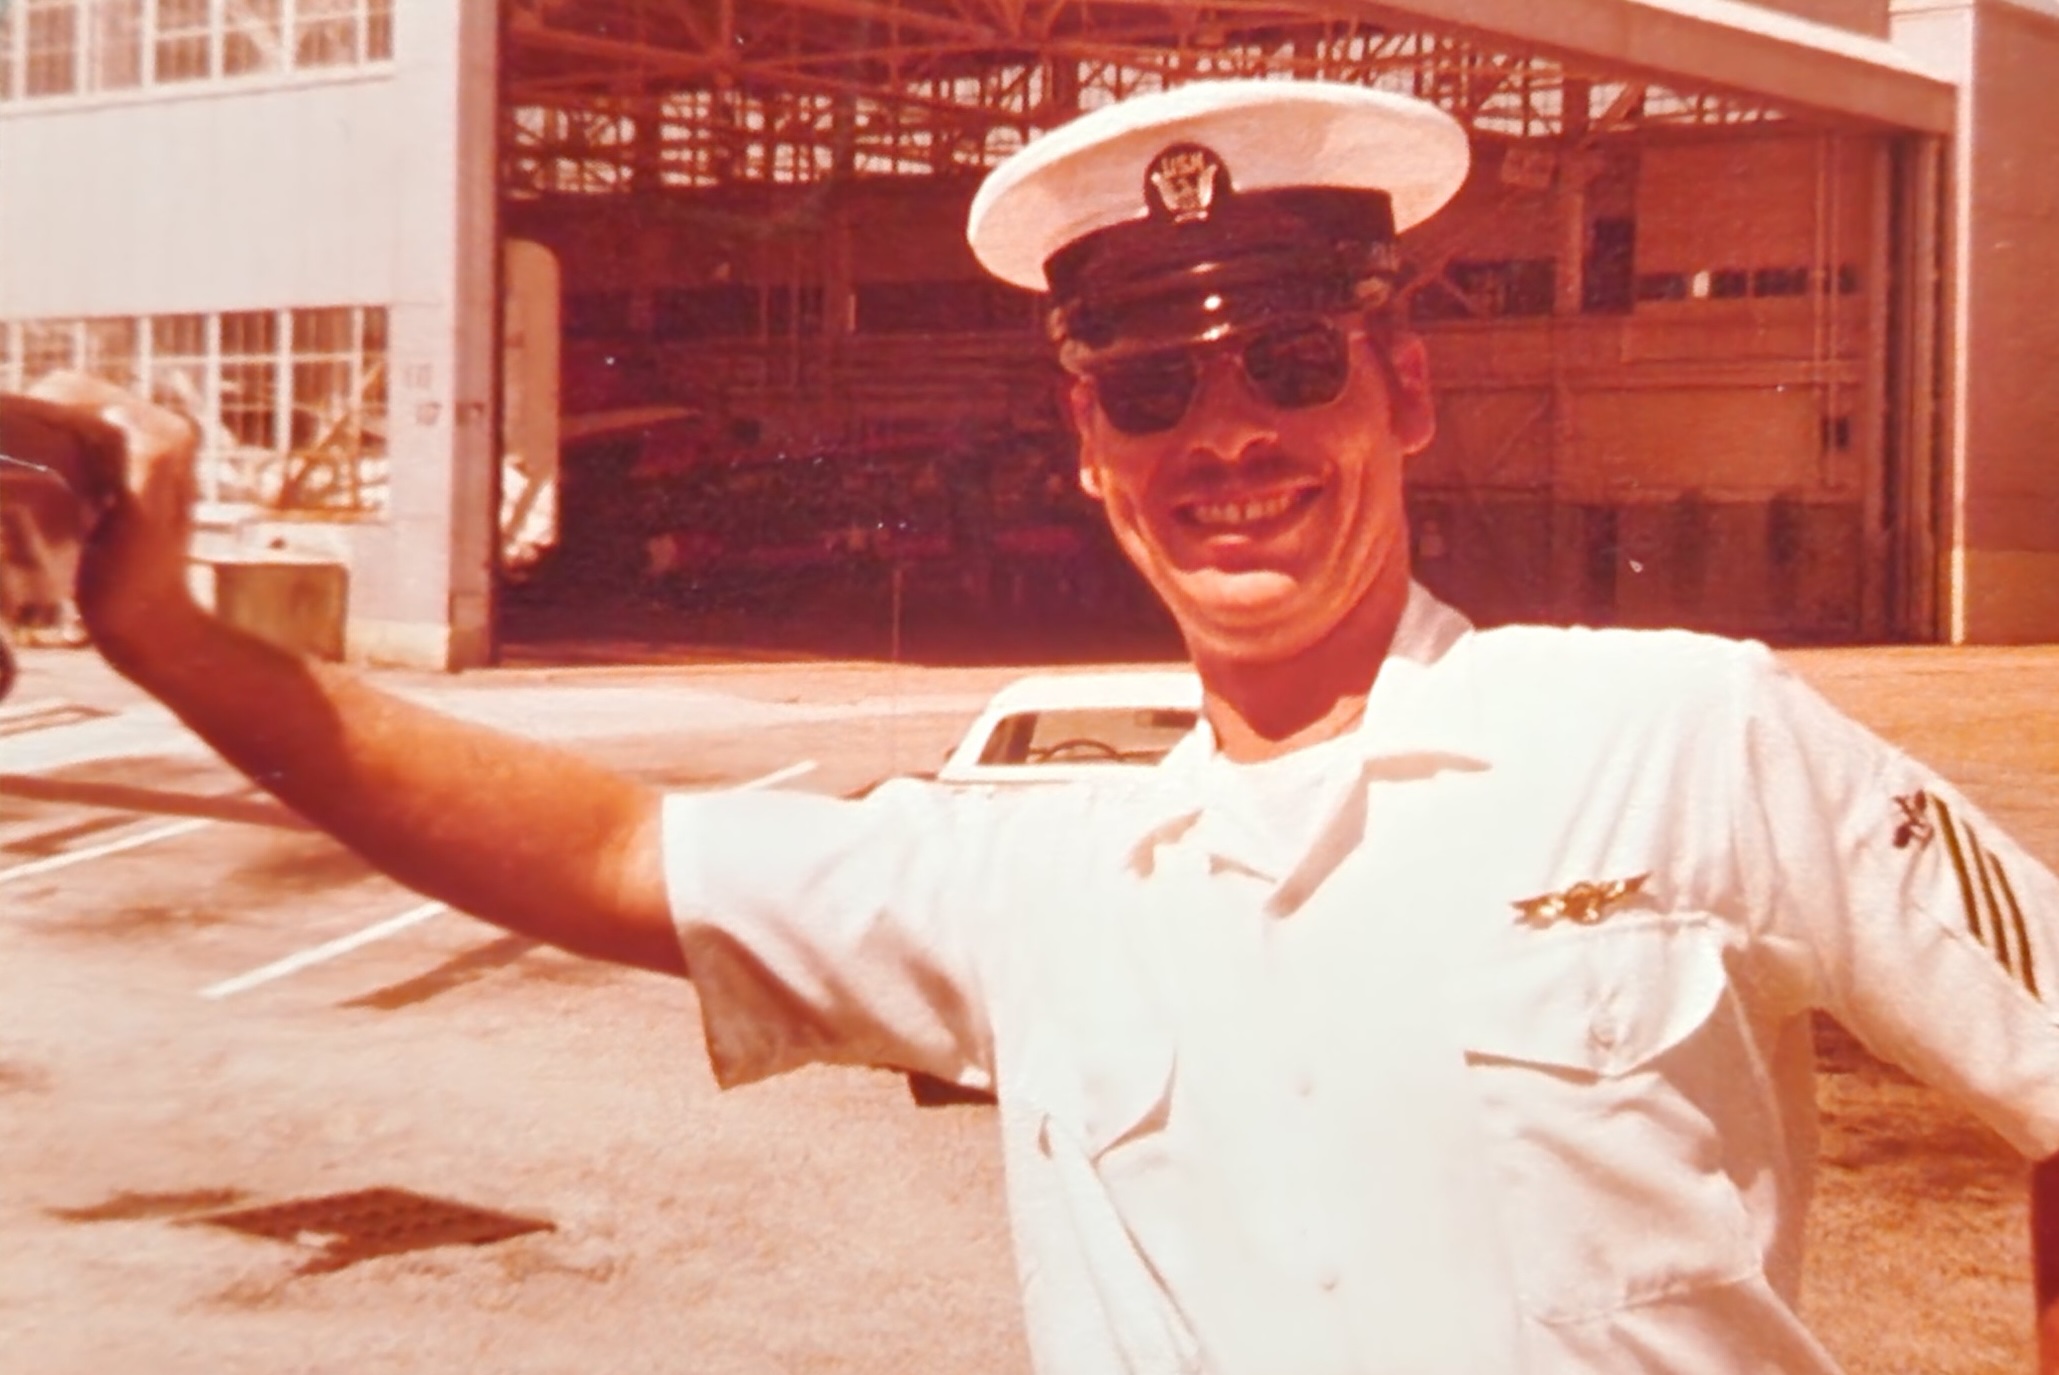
x=1247, y=512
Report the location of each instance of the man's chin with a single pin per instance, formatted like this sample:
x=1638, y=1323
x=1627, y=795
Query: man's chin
x=1238, y=594
x=1244, y=615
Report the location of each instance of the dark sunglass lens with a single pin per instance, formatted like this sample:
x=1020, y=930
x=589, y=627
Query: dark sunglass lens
x=1146, y=395
x=1299, y=367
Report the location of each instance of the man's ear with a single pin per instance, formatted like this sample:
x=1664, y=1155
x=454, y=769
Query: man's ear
x=1414, y=409
x=1079, y=412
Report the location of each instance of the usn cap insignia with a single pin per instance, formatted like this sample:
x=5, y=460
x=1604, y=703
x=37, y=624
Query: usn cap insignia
x=1584, y=904
x=1184, y=182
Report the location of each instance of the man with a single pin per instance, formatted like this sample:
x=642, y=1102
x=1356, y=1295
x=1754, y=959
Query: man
x=1439, y=1007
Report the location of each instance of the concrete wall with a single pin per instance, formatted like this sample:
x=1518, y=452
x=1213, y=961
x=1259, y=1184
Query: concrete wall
x=2001, y=413
x=2012, y=407
x=423, y=578
x=200, y=199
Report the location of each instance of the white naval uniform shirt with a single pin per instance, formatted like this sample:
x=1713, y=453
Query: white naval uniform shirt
x=1507, y=1070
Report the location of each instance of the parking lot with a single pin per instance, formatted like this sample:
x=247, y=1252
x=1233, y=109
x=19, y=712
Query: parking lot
x=254, y=1098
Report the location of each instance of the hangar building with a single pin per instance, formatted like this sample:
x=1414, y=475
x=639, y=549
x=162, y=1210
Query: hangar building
x=1741, y=320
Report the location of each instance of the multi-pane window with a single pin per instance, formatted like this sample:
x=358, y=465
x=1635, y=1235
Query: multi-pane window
x=291, y=403
x=68, y=47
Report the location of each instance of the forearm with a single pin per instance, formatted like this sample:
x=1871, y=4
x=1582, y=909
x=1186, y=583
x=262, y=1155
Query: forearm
x=2044, y=1253
x=522, y=834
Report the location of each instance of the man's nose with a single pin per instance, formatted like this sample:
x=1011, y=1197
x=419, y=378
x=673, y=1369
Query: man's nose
x=1227, y=416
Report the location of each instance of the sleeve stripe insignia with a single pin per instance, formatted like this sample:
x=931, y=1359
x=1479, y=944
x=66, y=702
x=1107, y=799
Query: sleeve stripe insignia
x=1993, y=916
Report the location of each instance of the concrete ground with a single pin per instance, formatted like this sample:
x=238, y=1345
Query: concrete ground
x=161, y=1069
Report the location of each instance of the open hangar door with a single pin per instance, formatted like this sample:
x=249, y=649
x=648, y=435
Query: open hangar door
x=1661, y=316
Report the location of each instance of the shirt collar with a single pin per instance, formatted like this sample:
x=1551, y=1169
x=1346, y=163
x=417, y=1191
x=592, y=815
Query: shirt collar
x=1422, y=712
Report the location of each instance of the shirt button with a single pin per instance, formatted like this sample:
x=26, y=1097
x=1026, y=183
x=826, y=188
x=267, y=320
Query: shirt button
x=1304, y=1084
x=1603, y=1034
x=1328, y=1278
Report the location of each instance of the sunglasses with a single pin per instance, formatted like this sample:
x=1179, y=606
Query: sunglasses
x=1293, y=366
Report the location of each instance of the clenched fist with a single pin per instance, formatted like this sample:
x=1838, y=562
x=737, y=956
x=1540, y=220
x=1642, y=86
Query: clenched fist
x=132, y=587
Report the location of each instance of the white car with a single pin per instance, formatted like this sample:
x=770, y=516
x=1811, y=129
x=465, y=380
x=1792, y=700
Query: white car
x=1069, y=727
x=1065, y=727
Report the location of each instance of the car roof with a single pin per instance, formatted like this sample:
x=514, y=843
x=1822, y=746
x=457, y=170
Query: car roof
x=1139, y=687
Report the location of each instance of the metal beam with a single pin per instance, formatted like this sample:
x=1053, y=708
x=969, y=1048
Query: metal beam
x=1757, y=53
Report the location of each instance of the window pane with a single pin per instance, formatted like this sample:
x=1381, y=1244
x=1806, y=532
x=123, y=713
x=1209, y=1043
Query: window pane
x=51, y=42
x=183, y=41
x=6, y=52
x=250, y=403
x=178, y=335
x=374, y=405
x=321, y=403
x=325, y=33
x=378, y=30
x=250, y=331
x=250, y=36
x=179, y=383
x=111, y=350
x=117, y=62
x=324, y=331
x=178, y=362
x=46, y=346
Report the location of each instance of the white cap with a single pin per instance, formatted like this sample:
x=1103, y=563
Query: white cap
x=1093, y=173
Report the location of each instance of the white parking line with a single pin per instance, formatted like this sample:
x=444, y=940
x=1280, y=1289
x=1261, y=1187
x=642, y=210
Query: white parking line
x=109, y=847
x=779, y=776
x=148, y=730
x=414, y=916
x=328, y=950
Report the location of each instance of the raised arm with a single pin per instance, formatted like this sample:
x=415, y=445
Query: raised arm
x=524, y=835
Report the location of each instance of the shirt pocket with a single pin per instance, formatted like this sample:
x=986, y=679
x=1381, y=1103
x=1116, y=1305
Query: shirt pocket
x=1598, y=1055
x=1099, y=1109
x=1097, y=1098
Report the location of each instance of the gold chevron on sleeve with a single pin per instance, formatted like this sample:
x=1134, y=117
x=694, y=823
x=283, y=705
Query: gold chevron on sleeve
x=1993, y=916
x=2027, y=965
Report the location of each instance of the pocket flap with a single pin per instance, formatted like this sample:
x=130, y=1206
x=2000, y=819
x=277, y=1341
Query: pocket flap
x=1600, y=1000
x=1101, y=1095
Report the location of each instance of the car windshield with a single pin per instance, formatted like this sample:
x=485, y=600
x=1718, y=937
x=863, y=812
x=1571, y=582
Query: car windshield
x=1115, y=735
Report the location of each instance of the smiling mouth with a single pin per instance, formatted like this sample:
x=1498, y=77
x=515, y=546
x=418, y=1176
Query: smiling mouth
x=1232, y=515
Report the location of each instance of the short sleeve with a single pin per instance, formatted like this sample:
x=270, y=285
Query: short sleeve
x=819, y=929
x=1921, y=926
